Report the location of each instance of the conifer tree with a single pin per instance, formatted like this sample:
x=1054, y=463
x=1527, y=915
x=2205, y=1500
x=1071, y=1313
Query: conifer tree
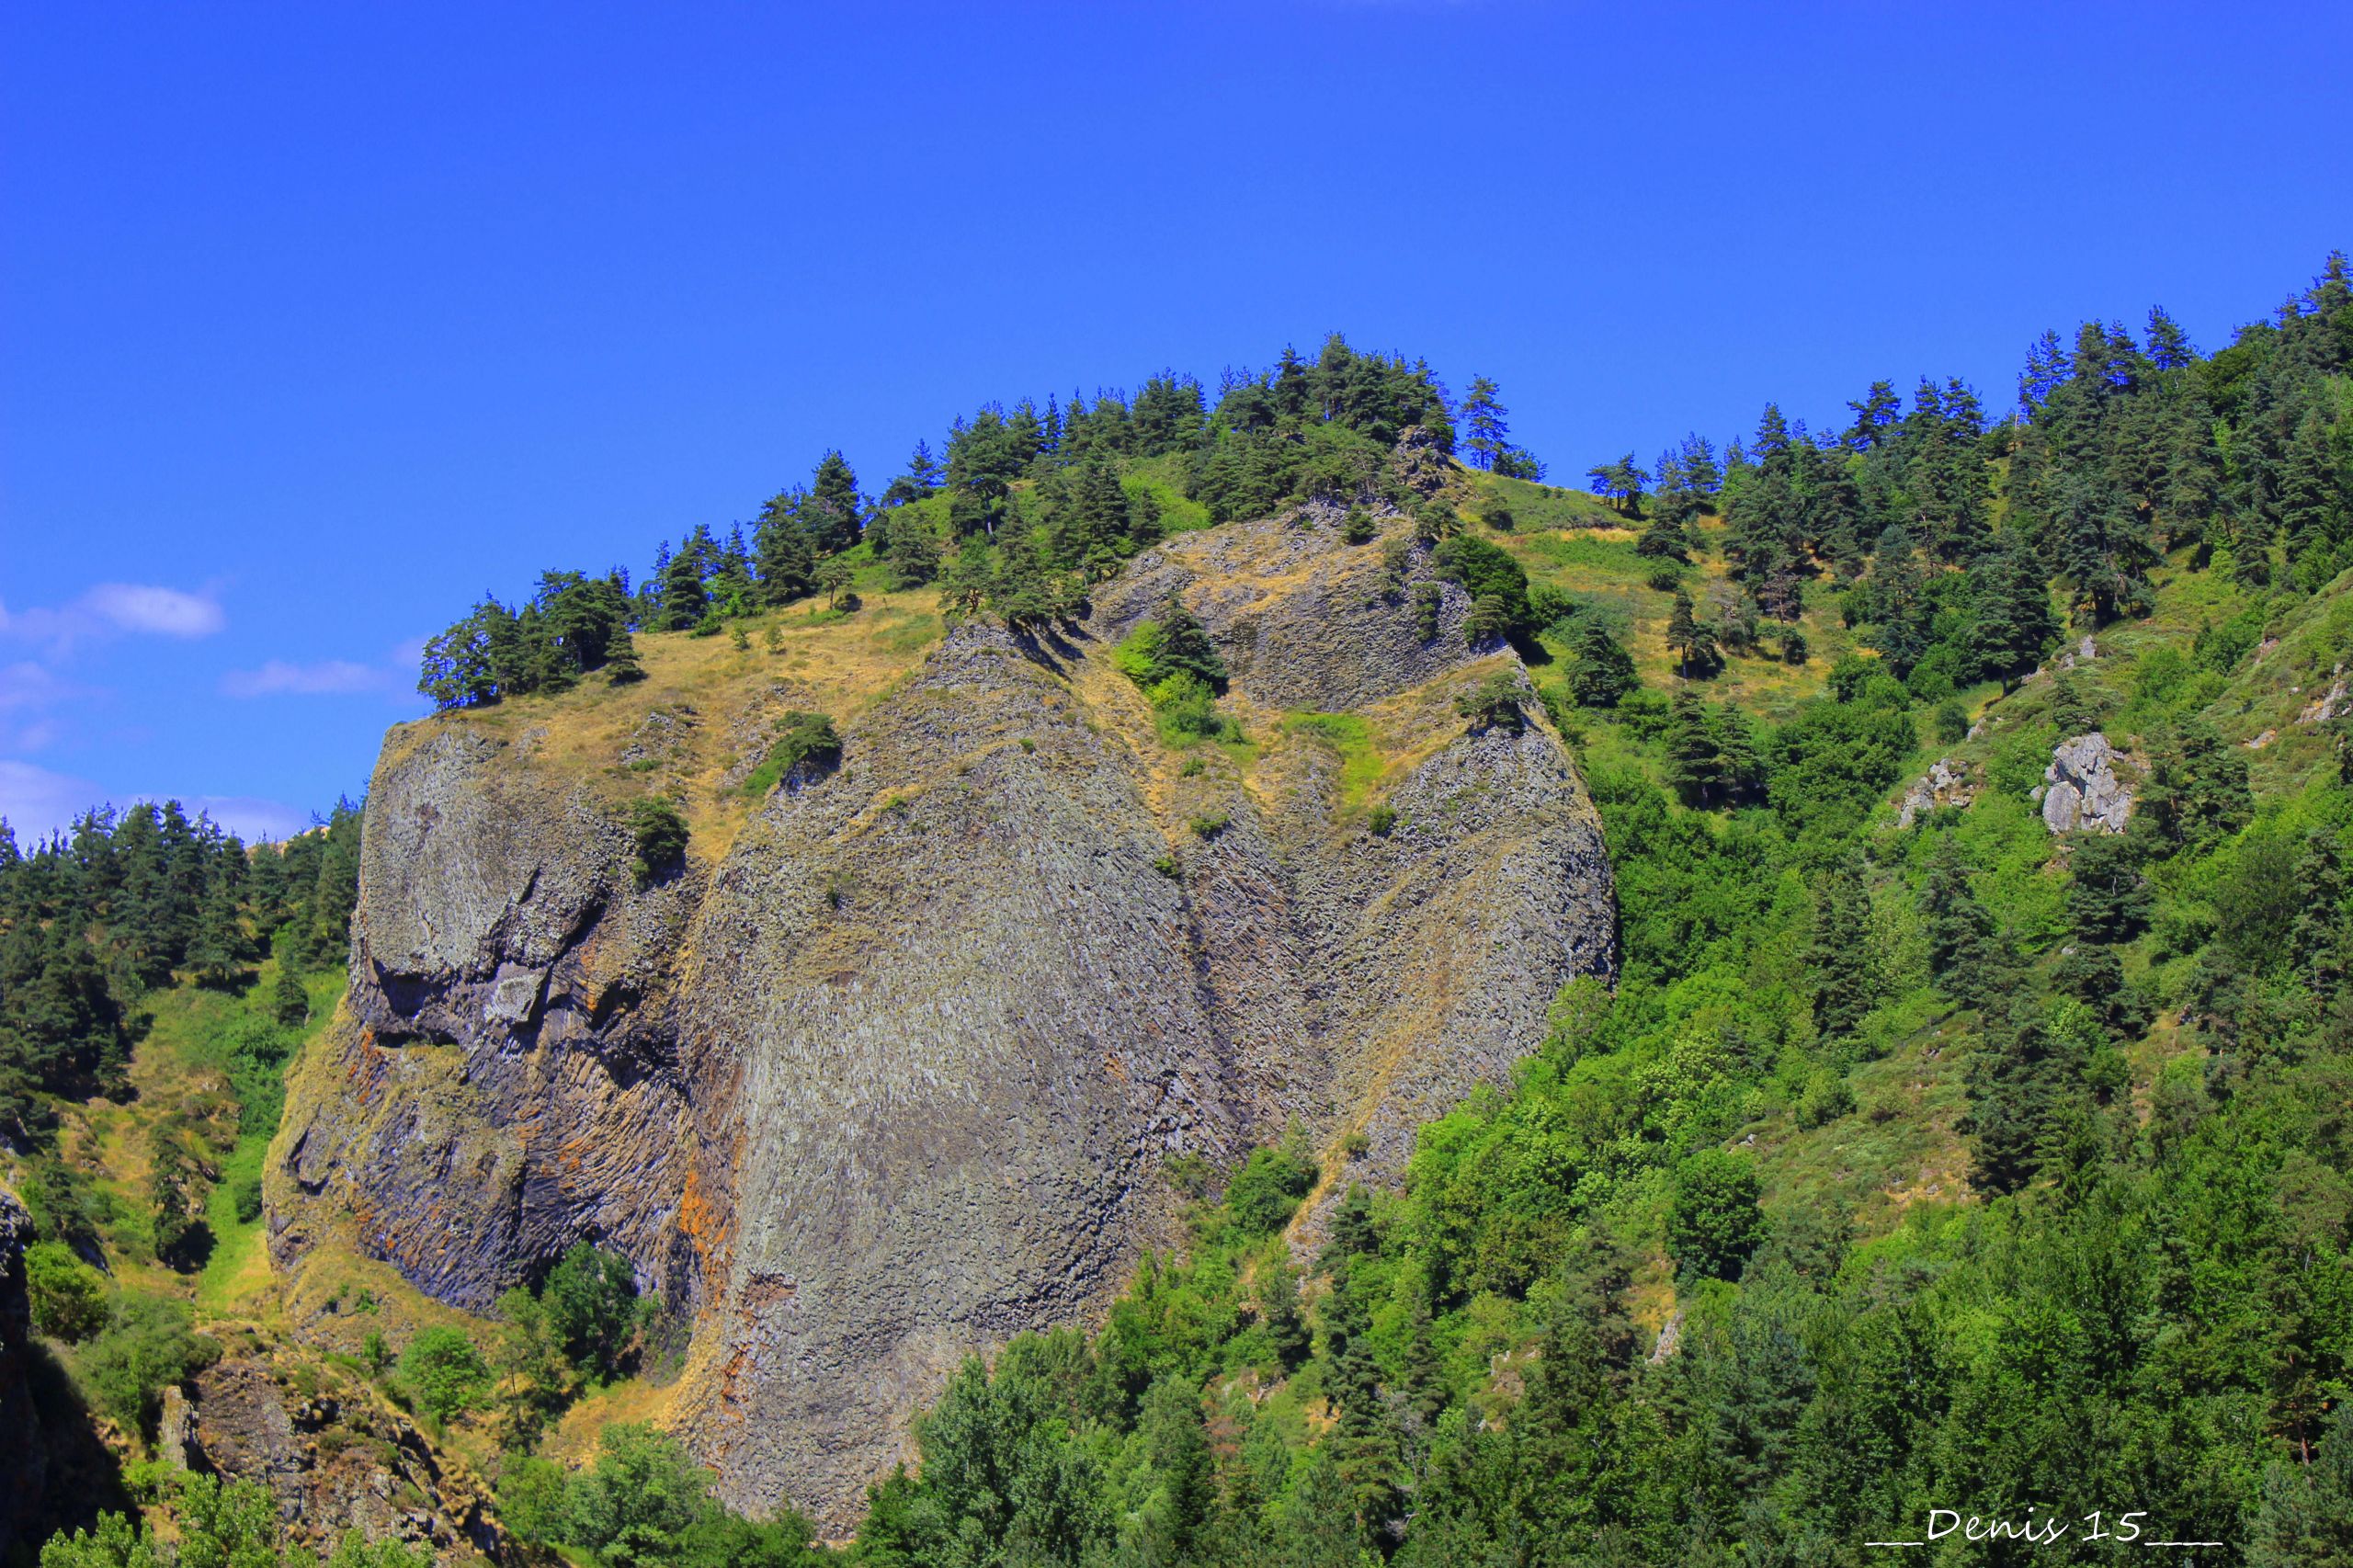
x=1488, y=436
x=1604, y=670
x=1838, y=959
x=1960, y=931
x=1695, y=768
x=1691, y=640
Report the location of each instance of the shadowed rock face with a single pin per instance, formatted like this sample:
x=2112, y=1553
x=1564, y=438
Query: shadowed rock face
x=24, y=1465
x=892, y=1078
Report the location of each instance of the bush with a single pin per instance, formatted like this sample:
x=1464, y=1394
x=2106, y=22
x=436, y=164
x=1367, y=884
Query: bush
x=246, y=1197
x=1951, y=723
x=1713, y=1222
x=150, y=1344
x=1663, y=579
x=592, y=1307
x=1357, y=527
x=1494, y=704
x=443, y=1372
x=1267, y=1189
x=660, y=833
x=69, y=1299
x=807, y=739
x=1793, y=647
x=1826, y=1098
x=1381, y=820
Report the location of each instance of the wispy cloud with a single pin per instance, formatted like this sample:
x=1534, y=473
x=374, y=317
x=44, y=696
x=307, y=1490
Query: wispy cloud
x=25, y=685
x=112, y=609
x=329, y=678
x=35, y=801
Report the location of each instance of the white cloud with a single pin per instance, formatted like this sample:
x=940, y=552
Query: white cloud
x=25, y=685
x=114, y=608
x=34, y=801
x=164, y=612
x=328, y=677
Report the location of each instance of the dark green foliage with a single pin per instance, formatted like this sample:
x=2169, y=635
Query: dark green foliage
x=1494, y=703
x=1691, y=640
x=659, y=834
x=1713, y=1222
x=1263, y=1194
x=2108, y=899
x=806, y=745
x=1603, y=671
x=289, y=1004
x=1498, y=586
x=590, y=1299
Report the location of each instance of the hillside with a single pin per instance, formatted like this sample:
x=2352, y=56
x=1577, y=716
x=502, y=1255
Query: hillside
x=1220, y=986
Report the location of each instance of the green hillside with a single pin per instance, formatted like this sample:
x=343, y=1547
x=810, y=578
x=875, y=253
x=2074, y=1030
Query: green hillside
x=1948, y=1163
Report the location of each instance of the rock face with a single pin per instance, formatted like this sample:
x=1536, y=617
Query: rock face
x=2083, y=790
x=890, y=1074
x=24, y=1466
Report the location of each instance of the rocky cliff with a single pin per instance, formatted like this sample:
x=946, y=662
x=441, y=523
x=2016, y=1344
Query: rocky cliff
x=888, y=1071
x=23, y=1459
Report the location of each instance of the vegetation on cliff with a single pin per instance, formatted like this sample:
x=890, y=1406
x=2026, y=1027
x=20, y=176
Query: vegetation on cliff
x=1921, y=1161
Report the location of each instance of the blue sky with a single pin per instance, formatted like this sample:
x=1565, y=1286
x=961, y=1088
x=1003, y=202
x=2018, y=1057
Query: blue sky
x=315, y=322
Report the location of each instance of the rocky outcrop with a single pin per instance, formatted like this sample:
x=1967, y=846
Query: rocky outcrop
x=887, y=1074
x=334, y=1456
x=23, y=1459
x=2084, y=788
x=1942, y=785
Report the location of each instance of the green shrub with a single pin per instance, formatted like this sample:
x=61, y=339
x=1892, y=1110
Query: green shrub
x=592, y=1307
x=1267, y=1189
x=1381, y=820
x=808, y=738
x=443, y=1372
x=1357, y=528
x=69, y=1299
x=1209, y=826
x=150, y=1343
x=1713, y=1222
x=1826, y=1098
x=660, y=833
x=1494, y=704
x=246, y=1197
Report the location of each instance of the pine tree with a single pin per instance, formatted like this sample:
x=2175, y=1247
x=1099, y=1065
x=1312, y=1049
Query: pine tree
x=1484, y=420
x=1838, y=959
x=2016, y=1079
x=1691, y=642
x=833, y=509
x=289, y=1004
x=1604, y=671
x=1695, y=768
x=219, y=951
x=1960, y=931
x=684, y=602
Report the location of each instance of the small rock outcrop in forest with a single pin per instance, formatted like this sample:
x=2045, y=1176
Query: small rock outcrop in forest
x=887, y=1073
x=2082, y=789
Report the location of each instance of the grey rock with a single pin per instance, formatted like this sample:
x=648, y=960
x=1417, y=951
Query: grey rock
x=2086, y=790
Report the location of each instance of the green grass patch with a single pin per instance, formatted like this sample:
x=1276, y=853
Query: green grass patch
x=1361, y=764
